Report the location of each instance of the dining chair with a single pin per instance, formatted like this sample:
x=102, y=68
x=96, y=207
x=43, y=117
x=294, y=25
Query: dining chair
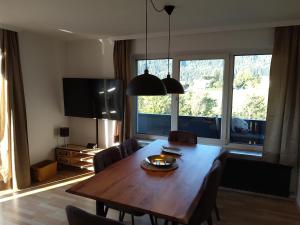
x=78, y=216
x=102, y=160
x=208, y=197
x=222, y=157
x=130, y=146
x=106, y=157
x=183, y=137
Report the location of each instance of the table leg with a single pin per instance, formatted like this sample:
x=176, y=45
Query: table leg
x=100, y=208
x=152, y=220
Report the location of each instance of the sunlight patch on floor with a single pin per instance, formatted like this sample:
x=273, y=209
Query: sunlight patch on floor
x=35, y=190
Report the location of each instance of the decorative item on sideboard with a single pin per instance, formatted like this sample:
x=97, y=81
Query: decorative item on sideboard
x=64, y=132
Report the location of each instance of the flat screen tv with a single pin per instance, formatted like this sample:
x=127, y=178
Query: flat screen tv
x=93, y=98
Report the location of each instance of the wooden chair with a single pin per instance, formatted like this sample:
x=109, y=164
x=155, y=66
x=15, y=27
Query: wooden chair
x=129, y=147
x=207, y=201
x=77, y=216
x=102, y=160
x=183, y=137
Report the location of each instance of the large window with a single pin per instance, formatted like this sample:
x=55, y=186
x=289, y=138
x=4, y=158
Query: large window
x=154, y=112
x=200, y=108
x=221, y=105
x=250, y=98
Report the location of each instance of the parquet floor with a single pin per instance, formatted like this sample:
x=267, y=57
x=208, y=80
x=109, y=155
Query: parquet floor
x=62, y=175
x=48, y=208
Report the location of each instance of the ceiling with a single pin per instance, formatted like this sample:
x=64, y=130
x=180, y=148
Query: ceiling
x=122, y=19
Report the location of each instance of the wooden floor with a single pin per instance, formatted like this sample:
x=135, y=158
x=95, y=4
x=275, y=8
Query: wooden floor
x=63, y=174
x=47, y=208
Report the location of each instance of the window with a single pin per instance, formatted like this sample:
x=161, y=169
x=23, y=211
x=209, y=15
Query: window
x=250, y=98
x=200, y=108
x=154, y=112
x=220, y=106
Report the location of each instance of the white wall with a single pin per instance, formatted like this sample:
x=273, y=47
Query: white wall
x=90, y=59
x=42, y=61
x=211, y=42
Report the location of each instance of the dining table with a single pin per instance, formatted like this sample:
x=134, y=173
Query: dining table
x=171, y=195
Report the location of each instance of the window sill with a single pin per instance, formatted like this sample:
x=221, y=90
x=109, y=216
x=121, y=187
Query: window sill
x=245, y=154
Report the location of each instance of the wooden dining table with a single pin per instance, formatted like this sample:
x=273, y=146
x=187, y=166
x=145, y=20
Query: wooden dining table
x=171, y=195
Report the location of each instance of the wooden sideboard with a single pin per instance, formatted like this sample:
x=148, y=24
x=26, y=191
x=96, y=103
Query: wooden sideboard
x=75, y=156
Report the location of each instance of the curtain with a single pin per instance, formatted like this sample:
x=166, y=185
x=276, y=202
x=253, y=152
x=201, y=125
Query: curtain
x=282, y=138
x=121, y=56
x=11, y=71
x=5, y=131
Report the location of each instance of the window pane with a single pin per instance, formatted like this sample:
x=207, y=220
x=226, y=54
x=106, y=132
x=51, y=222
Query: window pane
x=200, y=108
x=154, y=112
x=250, y=98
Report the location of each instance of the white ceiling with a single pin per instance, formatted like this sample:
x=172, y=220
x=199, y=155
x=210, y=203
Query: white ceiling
x=119, y=19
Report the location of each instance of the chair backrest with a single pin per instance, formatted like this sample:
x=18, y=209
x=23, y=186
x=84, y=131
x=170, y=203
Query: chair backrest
x=222, y=157
x=106, y=157
x=77, y=216
x=218, y=126
x=129, y=147
x=183, y=137
x=208, y=195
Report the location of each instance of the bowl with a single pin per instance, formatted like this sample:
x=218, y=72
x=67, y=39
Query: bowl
x=160, y=160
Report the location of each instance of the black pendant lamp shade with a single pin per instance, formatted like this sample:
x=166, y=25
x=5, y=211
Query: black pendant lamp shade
x=172, y=85
x=146, y=84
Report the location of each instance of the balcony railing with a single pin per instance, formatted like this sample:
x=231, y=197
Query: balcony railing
x=207, y=127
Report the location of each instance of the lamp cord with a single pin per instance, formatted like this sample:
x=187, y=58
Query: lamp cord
x=169, y=45
x=156, y=9
x=147, y=34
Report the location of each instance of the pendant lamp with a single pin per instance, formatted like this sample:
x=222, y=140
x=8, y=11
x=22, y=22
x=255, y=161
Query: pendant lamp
x=172, y=85
x=146, y=84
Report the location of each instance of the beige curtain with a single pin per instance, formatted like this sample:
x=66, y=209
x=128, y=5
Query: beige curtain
x=5, y=131
x=122, y=64
x=11, y=71
x=282, y=138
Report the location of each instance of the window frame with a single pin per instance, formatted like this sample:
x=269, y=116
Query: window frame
x=228, y=79
x=223, y=107
x=133, y=124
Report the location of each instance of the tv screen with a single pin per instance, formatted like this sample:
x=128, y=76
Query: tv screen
x=93, y=98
